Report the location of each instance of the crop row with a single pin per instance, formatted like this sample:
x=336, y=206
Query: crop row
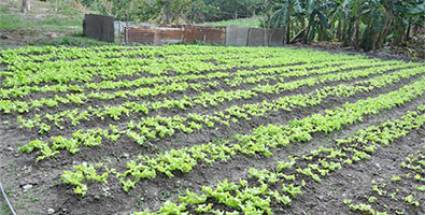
x=263, y=139
x=208, y=99
x=152, y=128
x=8, y=105
x=106, y=69
x=260, y=141
x=49, y=54
x=99, y=61
x=111, y=84
x=142, y=81
x=284, y=183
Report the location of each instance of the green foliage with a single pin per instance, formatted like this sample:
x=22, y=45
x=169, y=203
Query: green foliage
x=66, y=19
x=82, y=174
x=73, y=41
x=101, y=74
x=253, y=196
x=243, y=22
x=410, y=199
x=177, y=11
x=363, y=208
x=363, y=24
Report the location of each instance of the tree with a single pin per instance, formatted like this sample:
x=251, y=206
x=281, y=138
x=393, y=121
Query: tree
x=26, y=6
x=174, y=11
x=363, y=24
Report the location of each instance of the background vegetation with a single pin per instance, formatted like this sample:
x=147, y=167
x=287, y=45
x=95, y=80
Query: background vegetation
x=363, y=24
x=47, y=16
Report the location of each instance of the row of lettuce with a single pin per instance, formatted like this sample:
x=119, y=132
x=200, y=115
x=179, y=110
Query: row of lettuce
x=263, y=141
x=149, y=129
x=23, y=73
x=147, y=87
x=148, y=95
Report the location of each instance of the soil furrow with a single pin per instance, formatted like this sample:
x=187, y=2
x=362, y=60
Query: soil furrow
x=163, y=188
x=199, y=109
x=355, y=181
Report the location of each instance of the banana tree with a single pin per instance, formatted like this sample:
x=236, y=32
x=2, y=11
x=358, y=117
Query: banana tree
x=389, y=20
x=364, y=24
x=318, y=22
x=281, y=13
x=341, y=21
x=377, y=19
x=408, y=14
x=308, y=18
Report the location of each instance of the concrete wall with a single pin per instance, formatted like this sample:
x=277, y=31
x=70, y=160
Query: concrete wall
x=236, y=36
x=99, y=27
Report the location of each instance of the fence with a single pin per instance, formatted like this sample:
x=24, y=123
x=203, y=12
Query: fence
x=170, y=35
x=236, y=36
x=139, y=35
x=231, y=36
x=103, y=28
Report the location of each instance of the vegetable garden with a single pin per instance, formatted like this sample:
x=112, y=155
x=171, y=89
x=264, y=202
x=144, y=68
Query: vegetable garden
x=211, y=130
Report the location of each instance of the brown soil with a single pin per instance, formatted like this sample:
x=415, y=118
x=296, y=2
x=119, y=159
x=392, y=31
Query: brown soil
x=45, y=192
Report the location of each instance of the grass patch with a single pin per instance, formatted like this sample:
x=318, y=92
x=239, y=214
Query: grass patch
x=65, y=19
x=246, y=22
x=53, y=23
x=15, y=22
x=4, y=209
x=72, y=40
x=4, y=9
x=10, y=22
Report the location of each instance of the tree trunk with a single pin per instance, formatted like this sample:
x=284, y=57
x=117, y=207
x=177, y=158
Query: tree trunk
x=347, y=32
x=389, y=28
x=356, y=34
x=26, y=6
x=288, y=30
x=339, y=30
x=409, y=28
x=384, y=33
x=306, y=27
x=167, y=15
